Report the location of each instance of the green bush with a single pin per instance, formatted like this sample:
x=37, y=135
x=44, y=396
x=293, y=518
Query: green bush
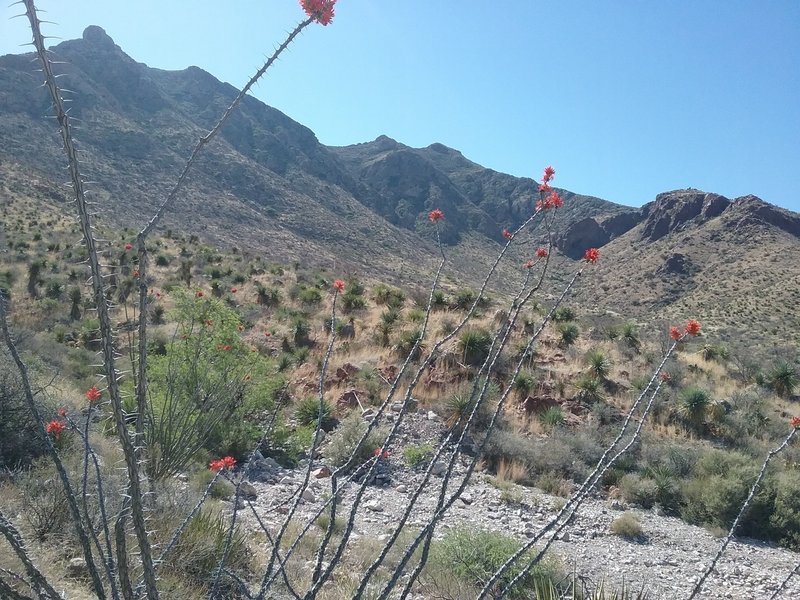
x=199, y=548
x=568, y=332
x=19, y=439
x=222, y=488
x=782, y=378
x=564, y=314
x=345, y=437
x=474, y=345
x=472, y=555
x=692, y=406
x=415, y=455
x=627, y=525
x=308, y=411
x=552, y=417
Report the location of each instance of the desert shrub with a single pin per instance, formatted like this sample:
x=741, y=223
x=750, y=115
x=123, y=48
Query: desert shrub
x=405, y=344
x=473, y=555
x=638, y=490
x=390, y=296
x=629, y=335
x=416, y=315
x=590, y=388
x=19, y=439
x=309, y=295
x=417, y=454
x=345, y=437
x=782, y=378
x=564, y=314
x=692, y=406
x=162, y=260
x=351, y=302
x=568, y=334
x=390, y=316
x=552, y=417
x=474, y=345
x=267, y=296
x=459, y=405
x=222, y=489
x=463, y=299
x=598, y=363
x=627, y=525
x=206, y=389
x=308, y=411
x=199, y=549
x=43, y=499
x=718, y=486
x=524, y=383
x=784, y=519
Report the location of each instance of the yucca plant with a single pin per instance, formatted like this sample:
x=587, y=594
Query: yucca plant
x=474, y=345
x=599, y=365
x=782, y=379
x=568, y=332
x=693, y=403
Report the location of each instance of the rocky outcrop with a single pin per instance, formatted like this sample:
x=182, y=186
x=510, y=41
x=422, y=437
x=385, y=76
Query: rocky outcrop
x=594, y=232
x=673, y=211
x=751, y=210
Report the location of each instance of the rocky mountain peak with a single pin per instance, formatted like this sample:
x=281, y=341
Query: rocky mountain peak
x=672, y=211
x=98, y=37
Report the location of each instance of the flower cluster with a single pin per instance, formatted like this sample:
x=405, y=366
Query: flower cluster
x=795, y=422
x=338, y=285
x=507, y=234
x=219, y=464
x=384, y=455
x=55, y=428
x=541, y=253
x=693, y=327
x=93, y=394
x=320, y=10
x=591, y=255
x=436, y=215
x=552, y=200
x=128, y=247
x=547, y=177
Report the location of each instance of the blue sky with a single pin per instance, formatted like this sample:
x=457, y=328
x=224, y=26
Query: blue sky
x=624, y=98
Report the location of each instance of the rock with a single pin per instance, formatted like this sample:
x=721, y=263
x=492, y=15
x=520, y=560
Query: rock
x=401, y=488
x=374, y=506
x=368, y=414
x=432, y=416
x=262, y=469
x=308, y=496
x=248, y=490
x=466, y=499
x=438, y=468
x=76, y=567
x=321, y=473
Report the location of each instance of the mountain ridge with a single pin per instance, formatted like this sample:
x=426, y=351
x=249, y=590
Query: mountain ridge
x=267, y=184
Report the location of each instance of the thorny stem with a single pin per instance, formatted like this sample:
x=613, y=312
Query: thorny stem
x=41, y=586
x=62, y=473
x=745, y=507
x=106, y=331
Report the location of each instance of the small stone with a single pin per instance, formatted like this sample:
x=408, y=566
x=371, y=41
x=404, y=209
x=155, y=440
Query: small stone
x=247, y=490
x=77, y=567
x=466, y=499
x=401, y=488
x=321, y=473
x=374, y=506
x=367, y=414
x=397, y=407
x=438, y=468
x=565, y=536
x=308, y=496
x=432, y=416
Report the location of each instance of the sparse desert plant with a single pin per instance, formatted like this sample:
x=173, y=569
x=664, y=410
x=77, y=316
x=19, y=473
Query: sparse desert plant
x=474, y=345
x=782, y=378
x=344, y=441
x=552, y=417
x=417, y=454
x=309, y=411
x=598, y=363
x=568, y=334
x=693, y=404
x=627, y=525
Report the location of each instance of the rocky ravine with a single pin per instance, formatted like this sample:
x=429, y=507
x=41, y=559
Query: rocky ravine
x=667, y=561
